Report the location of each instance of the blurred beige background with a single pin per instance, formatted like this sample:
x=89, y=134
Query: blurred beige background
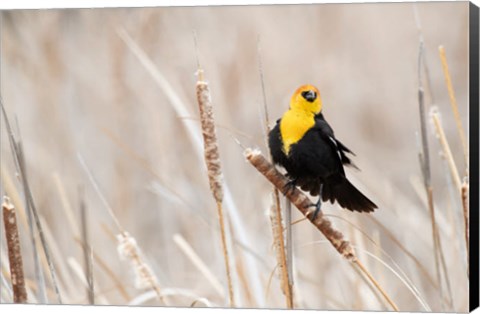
x=75, y=87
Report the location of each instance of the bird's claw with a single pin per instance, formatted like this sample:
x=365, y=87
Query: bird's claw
x=289, y=186
x=318, y=206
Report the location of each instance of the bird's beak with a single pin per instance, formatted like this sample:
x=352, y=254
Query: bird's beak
x=310, y=95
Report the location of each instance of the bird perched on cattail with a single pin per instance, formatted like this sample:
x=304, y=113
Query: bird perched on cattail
x=304, y=144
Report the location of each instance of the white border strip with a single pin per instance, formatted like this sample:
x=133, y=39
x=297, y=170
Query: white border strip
x=44, y=4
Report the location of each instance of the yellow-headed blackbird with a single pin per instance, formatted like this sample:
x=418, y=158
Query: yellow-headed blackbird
x=304, y=144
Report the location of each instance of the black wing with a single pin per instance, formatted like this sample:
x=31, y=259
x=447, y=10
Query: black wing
x=337, y=187
x=327, y=132
x=275, y=145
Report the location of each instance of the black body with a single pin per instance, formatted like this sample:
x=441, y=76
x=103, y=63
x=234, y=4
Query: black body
x=318, y=158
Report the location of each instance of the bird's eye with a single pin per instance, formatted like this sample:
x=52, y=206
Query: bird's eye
x=309, y=95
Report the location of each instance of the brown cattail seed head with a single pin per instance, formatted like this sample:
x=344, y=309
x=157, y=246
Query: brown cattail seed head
x=212, y=156
x=14, y=253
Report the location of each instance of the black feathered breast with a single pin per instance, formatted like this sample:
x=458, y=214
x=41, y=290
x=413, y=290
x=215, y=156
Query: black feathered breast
x=318, y=158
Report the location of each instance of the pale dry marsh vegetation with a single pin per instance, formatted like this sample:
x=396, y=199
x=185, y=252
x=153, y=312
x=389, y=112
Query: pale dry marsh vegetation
x=104, y=103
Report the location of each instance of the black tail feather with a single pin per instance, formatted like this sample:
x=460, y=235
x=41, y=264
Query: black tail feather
x=347, y=195
x=338, y=188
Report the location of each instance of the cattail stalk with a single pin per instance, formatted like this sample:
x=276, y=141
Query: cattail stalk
x=453, y=103
x=127, y=245
x=282, y=244
x=87, y=250
x=144, y=276
x=212, y=159
x=279, y=247
x=323, y=224
x=33, y=216
x=14, y=252
x=425, y=165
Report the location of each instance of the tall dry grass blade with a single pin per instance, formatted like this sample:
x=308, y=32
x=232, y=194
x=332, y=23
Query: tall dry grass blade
x=158, y=187
x=418, y=23
x=359, y=264
x=87, y=249
x=199, y=264
x=212, y=160
x=14, y=252
x=451, y=163
x=303, y=203
x=425, y=165
x=144, y=277
x=67, y=208
x=163, y=83
x=241, y=275
x=182, y=111
x=127, y=245
x=456, y=178
x=357, y=302
x=108, y=272
x=65, y=281
x=425, y=154
x=285, y=254
x=99, y=192
x=425, y=162
x=279, y=248
x=264, y=94
x=435, y=115
x=453, y=103
x=17, y=151
x=404, y=280
x=39, y=276
x=289, y=250
x=454, y=172
x=402, y=247
x=80, y=274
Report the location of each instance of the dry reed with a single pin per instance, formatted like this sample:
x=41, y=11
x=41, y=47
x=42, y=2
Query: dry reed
x=199, y=263
x=14, y=252
x=77, y=270
x=453, y=170
x=87, y=250
x=33, y=216
x=182, y=111
x=279, y=247
x=127, y=245
x=439, y=257
x=303, y=203
x=425, y=164
x=435, y=115
x=453, y=103
x=424, y=157
x=144, y=276
x=402, y=247
x=214, y=169
x=284, y=252
x=133, y=103
x=108, y=272
x=92, y=256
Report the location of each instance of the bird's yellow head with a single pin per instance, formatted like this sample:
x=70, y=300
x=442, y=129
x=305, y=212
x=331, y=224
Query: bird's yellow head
x=306, y=98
